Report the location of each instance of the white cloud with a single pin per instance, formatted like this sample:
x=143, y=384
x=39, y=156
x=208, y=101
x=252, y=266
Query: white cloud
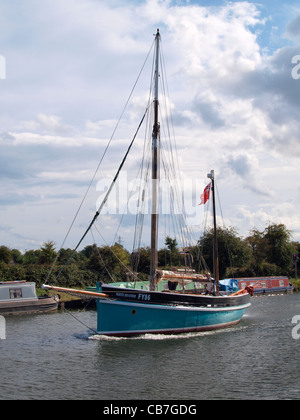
x=70, y=68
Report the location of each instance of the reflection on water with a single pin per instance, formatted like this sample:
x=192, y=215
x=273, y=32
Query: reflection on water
x=57, y=356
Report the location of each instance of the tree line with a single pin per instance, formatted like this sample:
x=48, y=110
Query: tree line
x=262, y=253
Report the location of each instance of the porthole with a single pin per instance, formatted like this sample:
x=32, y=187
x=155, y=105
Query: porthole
x=133, y=311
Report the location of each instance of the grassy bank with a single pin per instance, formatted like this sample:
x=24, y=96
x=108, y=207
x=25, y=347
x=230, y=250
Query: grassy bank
x=64, y=297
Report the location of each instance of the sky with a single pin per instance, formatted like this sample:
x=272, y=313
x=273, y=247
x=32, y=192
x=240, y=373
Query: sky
x=67, y=68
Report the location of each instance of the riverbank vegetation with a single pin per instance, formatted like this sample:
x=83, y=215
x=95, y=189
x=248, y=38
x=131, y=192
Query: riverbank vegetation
x=262, y=253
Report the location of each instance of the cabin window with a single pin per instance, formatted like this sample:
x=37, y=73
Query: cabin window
x=243, y=285
x=263, y=284
x=15, y=293
x=281, y=283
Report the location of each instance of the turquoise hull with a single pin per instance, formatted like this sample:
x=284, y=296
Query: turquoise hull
x=124, y=318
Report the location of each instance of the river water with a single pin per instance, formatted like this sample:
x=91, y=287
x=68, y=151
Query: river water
x=56, y=356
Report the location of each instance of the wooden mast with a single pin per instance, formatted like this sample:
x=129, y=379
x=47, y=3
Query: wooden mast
x=211, y=175
x=155, y=171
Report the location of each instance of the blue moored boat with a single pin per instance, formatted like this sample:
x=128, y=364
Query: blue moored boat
x=129, y=312
x=132, y=312
x=124, y=311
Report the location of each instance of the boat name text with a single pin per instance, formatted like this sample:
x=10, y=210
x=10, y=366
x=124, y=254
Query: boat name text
x=127, y=295
x=144, y=297
x=140, y=296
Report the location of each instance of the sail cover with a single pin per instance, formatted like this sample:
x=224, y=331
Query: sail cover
x=229, y=285
x=184, y=277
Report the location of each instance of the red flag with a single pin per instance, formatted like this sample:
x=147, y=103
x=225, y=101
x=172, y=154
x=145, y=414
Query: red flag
x=205, y=196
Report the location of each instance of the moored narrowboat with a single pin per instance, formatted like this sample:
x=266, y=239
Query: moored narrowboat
x=19, y=297
x=267, y=285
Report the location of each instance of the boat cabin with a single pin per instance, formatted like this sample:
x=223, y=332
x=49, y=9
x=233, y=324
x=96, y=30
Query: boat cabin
x=19, y=297
x=18, y=290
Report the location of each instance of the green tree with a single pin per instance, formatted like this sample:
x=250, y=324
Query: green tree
x=110, y=262
x=5, y=254
x=278, y=238
x=89, y=250
x=272, y=250
x=141, y=260
x=232, y=252
x=47, y=254
x=17, y=256
x=69, y=255
x=258, y=246
x=169, y=256
x=31, y=256
x=171, y=244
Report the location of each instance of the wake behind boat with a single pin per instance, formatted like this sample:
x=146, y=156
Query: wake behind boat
x=123, y=311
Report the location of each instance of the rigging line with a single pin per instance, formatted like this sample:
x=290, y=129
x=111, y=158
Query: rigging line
x=102, y=157
x=120, y=261
x=81, y=322
x=172, y=149
x=179, y=214
x=138, y=176
x=224, y=227
x=142, y=163
x=166, y=90
x=113, y=133
x=106, y=196
x=199, y=245
x=145, y=168
x=177, y=201
x=172, y=209
x=127, y=205
x=100, y=256
x=144, y=184
x=142, y=202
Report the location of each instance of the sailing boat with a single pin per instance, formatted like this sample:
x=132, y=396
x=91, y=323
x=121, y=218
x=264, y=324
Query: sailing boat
x=124, y=311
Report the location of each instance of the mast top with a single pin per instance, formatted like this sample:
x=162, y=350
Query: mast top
x=211, y=175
